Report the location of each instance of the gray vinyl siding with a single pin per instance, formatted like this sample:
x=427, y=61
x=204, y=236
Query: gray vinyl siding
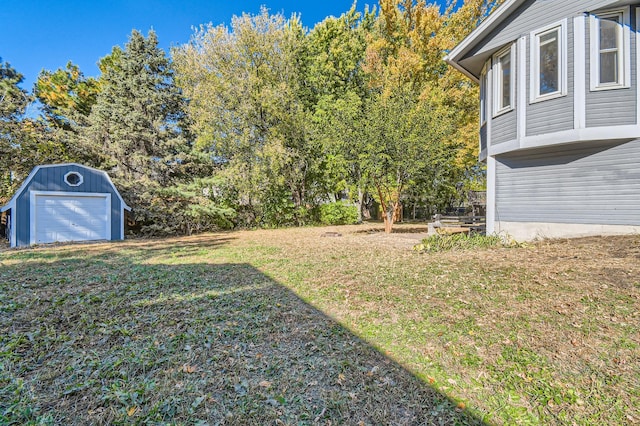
x=504, y=128
x=553, y=115
x=52, y=179
x=529, y=17
x=614, y=107
x=597, y=184
x=483, y=137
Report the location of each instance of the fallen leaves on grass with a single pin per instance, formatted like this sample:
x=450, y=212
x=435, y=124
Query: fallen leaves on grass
x=544, y=333
x=186, y=368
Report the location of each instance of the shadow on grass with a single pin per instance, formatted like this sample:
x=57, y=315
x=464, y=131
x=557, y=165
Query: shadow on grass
x=117, y=342
x=143, y=247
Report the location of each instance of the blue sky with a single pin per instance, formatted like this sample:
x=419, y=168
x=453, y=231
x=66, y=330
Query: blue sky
x=46, y=34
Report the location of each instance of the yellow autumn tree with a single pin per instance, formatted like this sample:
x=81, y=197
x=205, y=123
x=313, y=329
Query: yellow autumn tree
x=405, y=56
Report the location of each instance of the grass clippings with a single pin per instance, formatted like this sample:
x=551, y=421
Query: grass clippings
x=286, y=327
x=462, y=241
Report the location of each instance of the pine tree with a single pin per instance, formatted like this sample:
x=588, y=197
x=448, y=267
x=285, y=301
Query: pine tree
x=135, y=125
x=21, y=144
x=13, y=101
x=137, y=131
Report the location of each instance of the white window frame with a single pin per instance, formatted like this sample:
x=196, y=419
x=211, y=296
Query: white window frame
x=624, y=56
x=484, y=93
x=498, y=108
x=534, y=83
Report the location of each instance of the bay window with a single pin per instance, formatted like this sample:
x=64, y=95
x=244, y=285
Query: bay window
x=610, y=54
x=549, y=63
x=504, y=80
x=484, y=87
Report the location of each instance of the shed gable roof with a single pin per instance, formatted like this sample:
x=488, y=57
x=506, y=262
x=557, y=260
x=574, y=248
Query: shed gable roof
x=25, y=184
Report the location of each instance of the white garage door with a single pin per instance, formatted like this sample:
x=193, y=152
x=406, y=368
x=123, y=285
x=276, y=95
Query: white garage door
x=71, y=217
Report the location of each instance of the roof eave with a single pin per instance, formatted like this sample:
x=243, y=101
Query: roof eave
x=462, y=69
x=481, y=31
x=11, y=202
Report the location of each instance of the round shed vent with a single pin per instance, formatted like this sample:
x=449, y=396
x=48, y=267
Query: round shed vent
x=73, y=179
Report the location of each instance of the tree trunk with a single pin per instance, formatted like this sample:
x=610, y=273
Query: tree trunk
x=388, y=219
x=360, y=203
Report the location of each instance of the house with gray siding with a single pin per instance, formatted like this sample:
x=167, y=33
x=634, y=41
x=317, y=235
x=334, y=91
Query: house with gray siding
x=559, y=117
x=65, y=202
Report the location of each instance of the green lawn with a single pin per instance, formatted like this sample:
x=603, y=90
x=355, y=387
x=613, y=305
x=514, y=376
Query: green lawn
x=290, y=327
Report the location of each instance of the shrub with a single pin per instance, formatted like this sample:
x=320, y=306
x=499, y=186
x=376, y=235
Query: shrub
x=182, y=209
x=436, y=243
x=338, y=213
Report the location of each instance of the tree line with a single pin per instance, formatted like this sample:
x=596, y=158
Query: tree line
x=263, y=122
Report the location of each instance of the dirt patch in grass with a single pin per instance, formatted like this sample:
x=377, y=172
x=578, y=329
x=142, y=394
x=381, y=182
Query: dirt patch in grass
x=290, y=327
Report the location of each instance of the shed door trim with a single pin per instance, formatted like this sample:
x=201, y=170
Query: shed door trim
x=32, y=207
x=13, y=230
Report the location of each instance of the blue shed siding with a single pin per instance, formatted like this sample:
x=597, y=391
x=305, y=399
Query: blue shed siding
x=52, y=179
x=612, y=107
x=596, y=184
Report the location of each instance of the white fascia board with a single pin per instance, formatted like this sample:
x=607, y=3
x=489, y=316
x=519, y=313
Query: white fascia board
x=115, y=190
x=481, y=30
x=105, y=174
x=566, y=137
x=588, y=134
x=501, y=148
x=461, y=69
x=25, y=183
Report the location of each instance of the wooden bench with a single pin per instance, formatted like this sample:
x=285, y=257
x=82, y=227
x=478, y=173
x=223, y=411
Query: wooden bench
x=448, y=225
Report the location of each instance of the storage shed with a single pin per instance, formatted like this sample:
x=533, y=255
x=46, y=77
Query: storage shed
x=65, y=202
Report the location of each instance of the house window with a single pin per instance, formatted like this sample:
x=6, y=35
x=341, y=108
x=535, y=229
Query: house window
x=484, y=87
x=549, y=66
x=73, y=179
x=548, y=63
x=609, y=50
x=504, y=80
